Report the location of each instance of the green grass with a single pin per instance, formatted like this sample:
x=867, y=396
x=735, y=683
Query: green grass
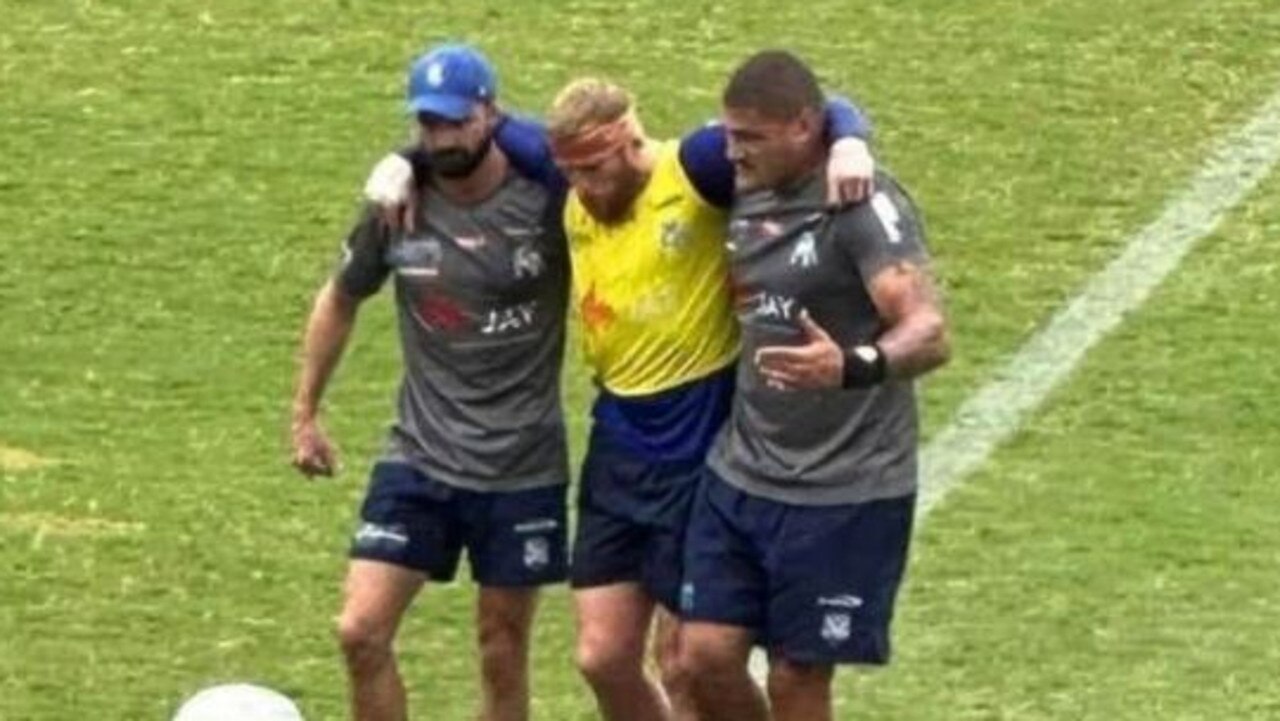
x=177, y=174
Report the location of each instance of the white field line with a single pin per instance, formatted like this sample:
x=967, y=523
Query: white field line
x=17, y=459
x=996, y=411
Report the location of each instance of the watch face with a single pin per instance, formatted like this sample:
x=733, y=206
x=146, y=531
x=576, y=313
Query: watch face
x=867, y=353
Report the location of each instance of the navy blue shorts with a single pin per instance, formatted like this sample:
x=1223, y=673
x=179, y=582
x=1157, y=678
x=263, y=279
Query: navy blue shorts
x=515, y=538
x=632, y=514
x=815, y=583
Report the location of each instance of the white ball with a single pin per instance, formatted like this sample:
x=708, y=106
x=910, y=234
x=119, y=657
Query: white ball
x=238, y=702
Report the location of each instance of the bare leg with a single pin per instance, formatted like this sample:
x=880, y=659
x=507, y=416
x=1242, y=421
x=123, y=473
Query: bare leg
x=799, y=692
x=666, y=656
x=613, y=624
x=714, y=657
x=504, y=619
x=377, y=595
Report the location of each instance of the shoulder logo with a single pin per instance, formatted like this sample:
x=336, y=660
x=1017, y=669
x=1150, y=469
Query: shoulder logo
x=889, y=216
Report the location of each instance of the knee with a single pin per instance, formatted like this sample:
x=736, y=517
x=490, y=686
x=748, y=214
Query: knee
x=363, y=643
x=702, y=658
x=603, y=661
x=503, y=647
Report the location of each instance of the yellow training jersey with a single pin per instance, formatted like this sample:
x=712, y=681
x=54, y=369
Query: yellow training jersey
x=652, y=291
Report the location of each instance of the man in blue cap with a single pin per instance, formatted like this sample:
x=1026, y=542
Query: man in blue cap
x=476, y=458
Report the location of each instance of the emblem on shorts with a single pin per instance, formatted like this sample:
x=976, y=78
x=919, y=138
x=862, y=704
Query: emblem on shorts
x=836, y=628
x=686, y=597
x=537, y=553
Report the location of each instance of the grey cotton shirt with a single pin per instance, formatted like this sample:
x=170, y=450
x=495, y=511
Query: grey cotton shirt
x=788, y=253
x=481, y=294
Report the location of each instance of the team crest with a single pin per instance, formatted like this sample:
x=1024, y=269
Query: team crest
x=836, y=628
x=527, y=262
x=805, y=254
x=674, y=235
x=537, y=553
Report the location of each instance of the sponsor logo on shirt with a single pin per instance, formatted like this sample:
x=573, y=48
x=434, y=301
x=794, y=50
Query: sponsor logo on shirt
x=511, y=318
x=440, y=312
x=596, y=314
x=745, y=231
x=774, y=307
x=417, y=257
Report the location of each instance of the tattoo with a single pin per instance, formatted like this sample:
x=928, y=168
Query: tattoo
x=915, y=336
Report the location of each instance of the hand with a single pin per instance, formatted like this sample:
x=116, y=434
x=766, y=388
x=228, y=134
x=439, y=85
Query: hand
x=390, y=187
x=313, y=454
x=818, y=363
x=850, y=172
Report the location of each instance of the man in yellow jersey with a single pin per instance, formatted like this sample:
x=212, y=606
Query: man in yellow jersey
x=646, y=224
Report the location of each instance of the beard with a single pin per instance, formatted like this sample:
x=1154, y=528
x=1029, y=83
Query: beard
x=456, y=163
x=617, y=205
x=606, y=209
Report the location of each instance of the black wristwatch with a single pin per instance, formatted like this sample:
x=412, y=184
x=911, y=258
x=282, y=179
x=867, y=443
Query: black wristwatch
x=864, y=366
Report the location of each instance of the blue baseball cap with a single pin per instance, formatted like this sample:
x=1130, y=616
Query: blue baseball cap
x=449, y=80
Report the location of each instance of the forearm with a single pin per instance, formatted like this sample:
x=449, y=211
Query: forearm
x=916, y=344
x=332, y=318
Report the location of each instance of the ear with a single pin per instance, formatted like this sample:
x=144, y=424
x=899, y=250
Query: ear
x=489, y=114
x=811, y=124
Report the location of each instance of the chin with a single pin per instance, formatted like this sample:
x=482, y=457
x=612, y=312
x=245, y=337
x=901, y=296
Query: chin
x=744, y=183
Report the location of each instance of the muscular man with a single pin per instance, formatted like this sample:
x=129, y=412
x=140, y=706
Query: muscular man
x=798, y=538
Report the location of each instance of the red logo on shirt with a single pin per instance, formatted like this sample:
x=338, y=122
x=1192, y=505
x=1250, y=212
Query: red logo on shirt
x=441, y=312
x=596, y=314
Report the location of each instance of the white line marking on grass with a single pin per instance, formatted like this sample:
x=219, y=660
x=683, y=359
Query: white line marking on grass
x=997, y=410
x=64, y=526
x=17, y=459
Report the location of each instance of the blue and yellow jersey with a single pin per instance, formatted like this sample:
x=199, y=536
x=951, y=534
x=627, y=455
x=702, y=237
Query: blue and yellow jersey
x=651, y=291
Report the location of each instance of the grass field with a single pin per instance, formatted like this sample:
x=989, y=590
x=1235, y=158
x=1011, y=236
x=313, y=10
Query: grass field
x=176, y=177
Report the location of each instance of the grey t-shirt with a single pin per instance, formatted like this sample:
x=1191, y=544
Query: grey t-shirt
x=789, y=253
x=481, y=293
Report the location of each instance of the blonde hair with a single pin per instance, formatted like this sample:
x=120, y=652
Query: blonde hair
x=586, y=103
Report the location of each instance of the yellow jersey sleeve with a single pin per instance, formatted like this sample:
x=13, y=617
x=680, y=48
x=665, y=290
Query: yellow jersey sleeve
x=652, y=291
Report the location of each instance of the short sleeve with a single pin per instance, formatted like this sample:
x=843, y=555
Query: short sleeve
x=881, y=231
x=363, y=268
